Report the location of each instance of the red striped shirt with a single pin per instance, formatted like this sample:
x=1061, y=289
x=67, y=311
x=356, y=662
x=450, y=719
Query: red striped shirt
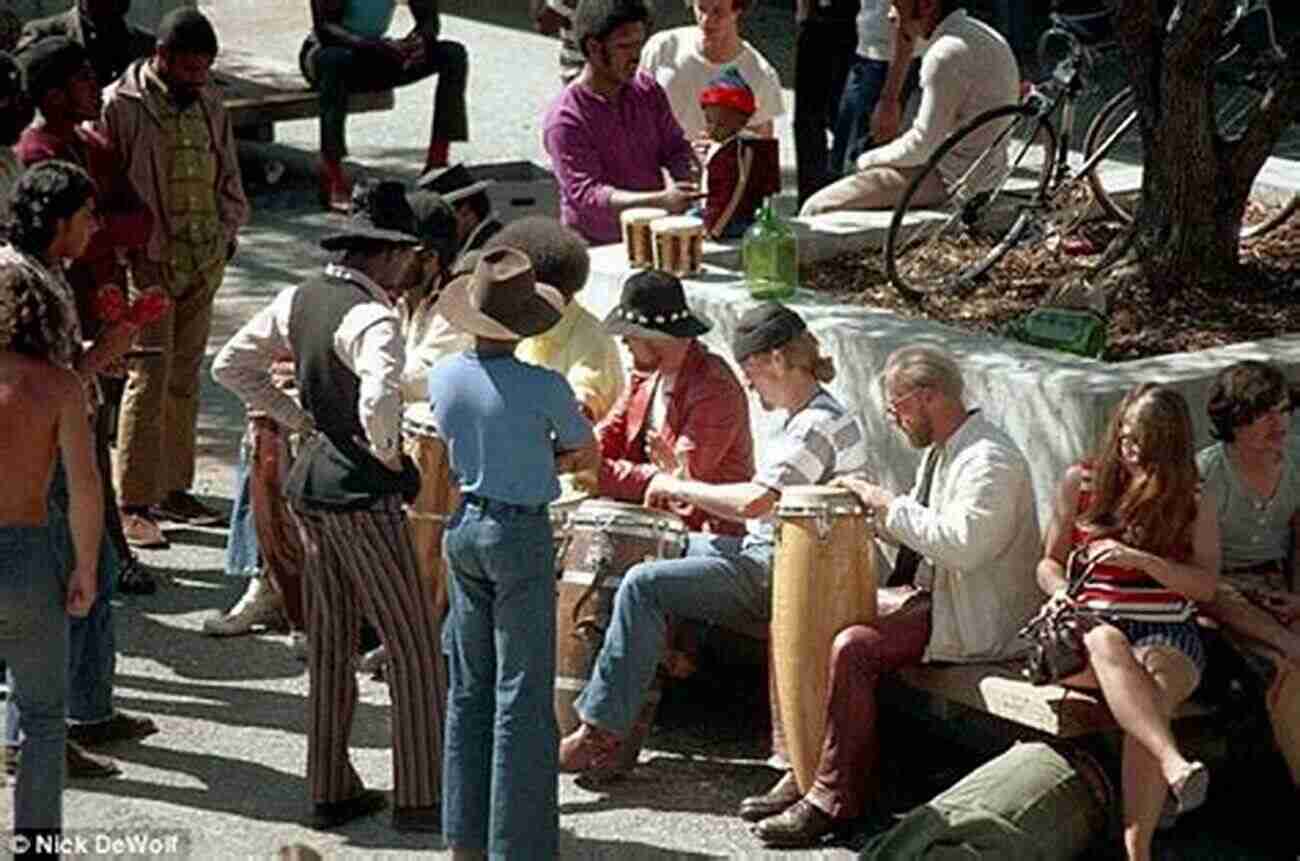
x=1127, y=593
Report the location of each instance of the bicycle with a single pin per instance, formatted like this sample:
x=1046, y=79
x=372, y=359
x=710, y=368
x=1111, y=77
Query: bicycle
x=1022, y=185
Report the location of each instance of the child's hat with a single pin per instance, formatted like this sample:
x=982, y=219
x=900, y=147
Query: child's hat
x=729, y=90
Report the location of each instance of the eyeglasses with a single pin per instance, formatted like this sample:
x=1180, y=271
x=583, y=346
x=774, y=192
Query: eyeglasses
x=891, y=409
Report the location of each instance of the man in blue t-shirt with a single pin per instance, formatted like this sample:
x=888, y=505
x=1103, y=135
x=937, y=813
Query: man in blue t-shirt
x=509, y=427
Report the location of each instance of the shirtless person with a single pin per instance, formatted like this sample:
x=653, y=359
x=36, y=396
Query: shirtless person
x=45, y=415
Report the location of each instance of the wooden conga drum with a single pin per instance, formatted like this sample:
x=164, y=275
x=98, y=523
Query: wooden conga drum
x=1284, y=714
x=604, y=540
x=678, y=244
x=278, y=541
x=637, y=238
x=824, y=580
x=427, y=516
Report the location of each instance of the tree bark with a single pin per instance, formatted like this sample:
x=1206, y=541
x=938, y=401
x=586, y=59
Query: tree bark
x=1195, y=183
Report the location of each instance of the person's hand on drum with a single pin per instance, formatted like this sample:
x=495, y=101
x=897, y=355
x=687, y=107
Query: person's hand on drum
x=679, y=196
x=661, y=490
x=873, y=496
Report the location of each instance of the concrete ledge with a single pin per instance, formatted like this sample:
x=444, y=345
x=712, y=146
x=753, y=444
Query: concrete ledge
x=1053, y=404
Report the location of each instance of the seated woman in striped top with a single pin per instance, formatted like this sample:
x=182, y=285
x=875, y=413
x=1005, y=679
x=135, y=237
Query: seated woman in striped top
x=1136, y=501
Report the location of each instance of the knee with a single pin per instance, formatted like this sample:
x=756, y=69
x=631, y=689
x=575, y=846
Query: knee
x=639, y=584
x=331, y=65
x=1174, y=673
x=1105, y=643
x=857, y=646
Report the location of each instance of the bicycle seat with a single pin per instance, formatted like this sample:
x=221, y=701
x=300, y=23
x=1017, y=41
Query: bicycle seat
x=1093, y=29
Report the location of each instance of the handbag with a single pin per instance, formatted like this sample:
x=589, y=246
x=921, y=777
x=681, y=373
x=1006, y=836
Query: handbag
x=1055, y=635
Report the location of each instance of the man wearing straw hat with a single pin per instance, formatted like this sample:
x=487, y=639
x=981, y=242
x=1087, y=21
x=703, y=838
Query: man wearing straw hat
x=509, y=427
x=346, y=489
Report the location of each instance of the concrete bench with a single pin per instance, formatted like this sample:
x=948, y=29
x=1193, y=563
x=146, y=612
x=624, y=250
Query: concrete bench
x=951, y=692
x=259, y=92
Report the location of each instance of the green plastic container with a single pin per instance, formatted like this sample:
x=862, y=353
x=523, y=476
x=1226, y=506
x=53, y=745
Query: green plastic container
x=1082, y=332
x=770, y=255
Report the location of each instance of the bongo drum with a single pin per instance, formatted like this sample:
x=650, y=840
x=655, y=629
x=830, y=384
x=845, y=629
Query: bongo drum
x=605, y=539
x=278, y=540
x=678, y=244
x=1284, y=713
x=636, y=234
x=824, y=579
x=427, y=516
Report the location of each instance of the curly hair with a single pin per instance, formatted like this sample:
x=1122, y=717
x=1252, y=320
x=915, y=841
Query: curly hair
x=47, y=193
x=1152, y=510
x=559, y=255
x=596, y=19
x=30, y=317
x=1243, y=392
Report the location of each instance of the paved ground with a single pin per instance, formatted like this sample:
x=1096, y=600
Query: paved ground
x=226, y=770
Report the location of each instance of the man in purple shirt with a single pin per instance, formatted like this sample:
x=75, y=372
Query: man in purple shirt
x=611, y=133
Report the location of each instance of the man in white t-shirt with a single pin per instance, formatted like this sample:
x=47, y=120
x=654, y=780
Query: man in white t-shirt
x=683, y=60
x=967, y=69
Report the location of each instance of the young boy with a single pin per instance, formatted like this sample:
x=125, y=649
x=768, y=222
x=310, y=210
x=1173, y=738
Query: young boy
x=509, y=427
x=740, y=170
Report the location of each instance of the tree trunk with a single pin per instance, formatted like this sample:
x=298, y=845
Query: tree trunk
x=1195, y=184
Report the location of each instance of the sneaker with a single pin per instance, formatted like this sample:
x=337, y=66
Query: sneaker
x=120, y=727
x=182, y=507
x=260, y=606
x=141, y=530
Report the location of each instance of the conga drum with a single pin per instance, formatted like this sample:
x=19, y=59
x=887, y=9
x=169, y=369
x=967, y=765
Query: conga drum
x=824, y=580
x=278, y=540
x=678, y=244
x=1284, y=714
x=636, y=234
x=604, y=540
x=427, y=516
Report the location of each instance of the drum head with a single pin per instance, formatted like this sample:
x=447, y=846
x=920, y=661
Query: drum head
x=608, y=514
x=417, y=419
x=678, y=224
x=811, y=499
x=641, y=214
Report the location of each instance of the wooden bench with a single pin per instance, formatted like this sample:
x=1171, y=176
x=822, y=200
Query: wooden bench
x=259, y=93
x=950, y=692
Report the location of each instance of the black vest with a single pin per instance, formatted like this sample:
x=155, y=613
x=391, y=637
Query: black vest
x=336, y=472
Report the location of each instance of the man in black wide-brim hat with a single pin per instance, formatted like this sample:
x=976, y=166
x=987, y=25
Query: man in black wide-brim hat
x=346, y=489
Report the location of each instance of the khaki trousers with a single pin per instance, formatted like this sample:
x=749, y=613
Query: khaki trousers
x=874, y=188
x=156, y=426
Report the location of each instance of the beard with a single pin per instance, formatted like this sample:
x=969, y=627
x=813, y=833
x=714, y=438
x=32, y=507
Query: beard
x=921, y=433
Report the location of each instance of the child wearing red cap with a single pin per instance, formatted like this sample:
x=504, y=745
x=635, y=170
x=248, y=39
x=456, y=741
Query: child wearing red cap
x=740, y=170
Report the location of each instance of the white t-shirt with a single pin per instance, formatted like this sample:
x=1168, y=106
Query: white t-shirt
x=675, y=60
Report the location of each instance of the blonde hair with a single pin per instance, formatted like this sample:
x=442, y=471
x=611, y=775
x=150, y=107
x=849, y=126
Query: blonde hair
x=803, y=352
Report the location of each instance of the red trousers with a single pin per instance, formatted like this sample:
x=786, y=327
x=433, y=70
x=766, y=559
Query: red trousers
x=846, y=774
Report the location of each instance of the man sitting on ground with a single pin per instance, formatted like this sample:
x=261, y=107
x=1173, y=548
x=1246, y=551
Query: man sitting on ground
x=611, y=133
x=967, y=69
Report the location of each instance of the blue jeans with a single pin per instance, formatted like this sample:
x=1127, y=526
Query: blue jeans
x=92, y=646
x=243, y=559
x=852, y=130
x=717, y=582
x=34, y=643
x=500, y=759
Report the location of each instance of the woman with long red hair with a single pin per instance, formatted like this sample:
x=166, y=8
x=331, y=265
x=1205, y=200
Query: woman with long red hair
x=1137, y=509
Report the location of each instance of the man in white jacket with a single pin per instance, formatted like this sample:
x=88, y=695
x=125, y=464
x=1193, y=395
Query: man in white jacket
x=962, y=585
x=967, y=69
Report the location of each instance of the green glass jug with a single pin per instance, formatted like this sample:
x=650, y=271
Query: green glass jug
x=770, y=254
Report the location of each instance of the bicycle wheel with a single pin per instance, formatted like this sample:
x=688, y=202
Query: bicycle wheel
x=984, y=212
x=1116, y=130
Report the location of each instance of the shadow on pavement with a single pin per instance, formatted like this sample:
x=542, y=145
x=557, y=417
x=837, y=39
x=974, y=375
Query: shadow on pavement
x=574, y=847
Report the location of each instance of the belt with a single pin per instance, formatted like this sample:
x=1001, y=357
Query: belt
x=503, y=507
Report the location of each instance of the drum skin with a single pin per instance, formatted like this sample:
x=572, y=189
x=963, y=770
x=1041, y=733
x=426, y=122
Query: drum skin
x=824, y=580
x=427, y=516
x=604, y=540
x=278, y=540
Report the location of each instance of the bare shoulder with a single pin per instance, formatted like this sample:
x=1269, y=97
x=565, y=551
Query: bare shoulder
x=32, y=383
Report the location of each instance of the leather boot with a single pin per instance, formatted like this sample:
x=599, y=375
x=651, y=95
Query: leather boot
x=783, y=794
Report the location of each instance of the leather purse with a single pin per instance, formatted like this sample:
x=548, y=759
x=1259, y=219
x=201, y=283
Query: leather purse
x=1055, y=635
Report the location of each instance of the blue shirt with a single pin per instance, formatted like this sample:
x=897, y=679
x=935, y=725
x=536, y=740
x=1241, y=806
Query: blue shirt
x=369, y=18
x=503, y=421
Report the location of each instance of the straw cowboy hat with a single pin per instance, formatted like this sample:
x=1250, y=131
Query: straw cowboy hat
x=501, y=299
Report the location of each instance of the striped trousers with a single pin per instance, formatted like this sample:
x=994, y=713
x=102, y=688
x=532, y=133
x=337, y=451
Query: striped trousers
x=363, y=562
